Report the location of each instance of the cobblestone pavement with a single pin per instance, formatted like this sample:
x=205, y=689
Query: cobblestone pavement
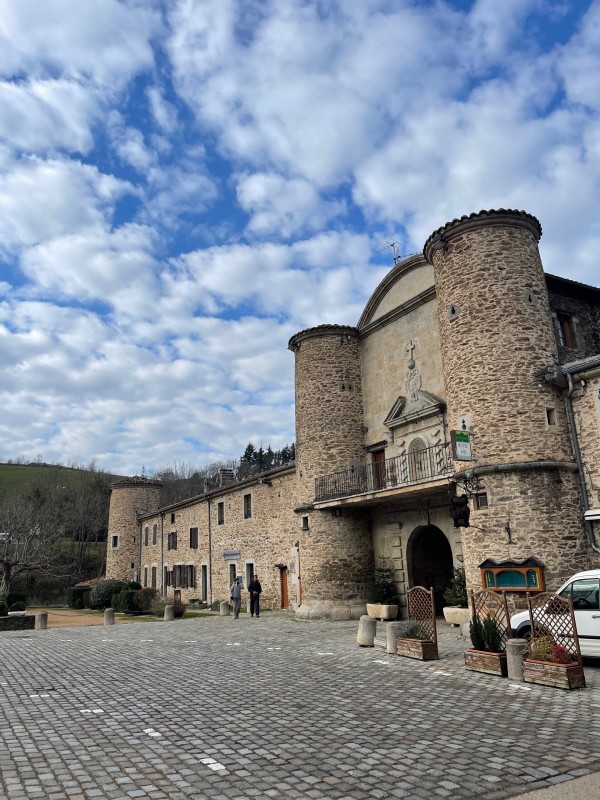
x=271, y=707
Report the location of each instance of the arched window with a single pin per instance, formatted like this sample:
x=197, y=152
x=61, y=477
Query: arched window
x=418, y=462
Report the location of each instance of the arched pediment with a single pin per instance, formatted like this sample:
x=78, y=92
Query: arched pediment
x=406, y=410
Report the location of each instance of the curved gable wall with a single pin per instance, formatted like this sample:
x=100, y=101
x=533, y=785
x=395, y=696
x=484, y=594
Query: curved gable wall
x=406, y=281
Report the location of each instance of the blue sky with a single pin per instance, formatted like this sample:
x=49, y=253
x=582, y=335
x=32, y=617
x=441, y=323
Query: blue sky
x=185, y=184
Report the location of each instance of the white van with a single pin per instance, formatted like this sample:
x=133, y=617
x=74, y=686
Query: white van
x=584, y=588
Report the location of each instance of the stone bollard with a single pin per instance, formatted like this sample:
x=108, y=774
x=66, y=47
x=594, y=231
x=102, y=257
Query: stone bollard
x=169, y=613
x=367, y=627
x=41, y=621
x=515, y=657
x=109, y=616
x=392, y=636
x=224, y=608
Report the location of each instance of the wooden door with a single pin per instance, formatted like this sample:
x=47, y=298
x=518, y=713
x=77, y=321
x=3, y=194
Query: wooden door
x=379, y=469
x=283, y=574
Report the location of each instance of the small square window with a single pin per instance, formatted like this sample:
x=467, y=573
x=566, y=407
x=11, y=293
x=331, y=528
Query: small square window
x=247, y=506
x=173, y=517
x=481, y=500
x=220, y=513
x=551, y=416
x=304, y=523
x=115, y=541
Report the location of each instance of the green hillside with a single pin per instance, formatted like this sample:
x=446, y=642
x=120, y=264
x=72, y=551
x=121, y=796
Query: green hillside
x=14, y=477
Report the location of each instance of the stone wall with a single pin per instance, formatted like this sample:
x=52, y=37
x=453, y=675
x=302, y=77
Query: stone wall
x=128, y=499
x=497, y=336
x=582, y=304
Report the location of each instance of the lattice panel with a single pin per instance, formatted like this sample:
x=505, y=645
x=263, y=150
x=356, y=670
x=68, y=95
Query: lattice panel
x=553, y=616
x=421, y=608
x=490, y=604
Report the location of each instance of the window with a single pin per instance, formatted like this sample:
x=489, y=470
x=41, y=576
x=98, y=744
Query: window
x=220, y=513
x=154, y=576
x=115, y=541
x=145, y=574
x=194, y=538
x=146, y=536
x=172, y=516
x=232, y=574
x=304, y=523
x=564, y=324
x=481, y=500
x=172, y=541
x=191, y=576
x=418, y=466
x=250, y=570
x=585, y=594
x=551, y=416
x=247, y=506
x=168, y=576
x=154, y=530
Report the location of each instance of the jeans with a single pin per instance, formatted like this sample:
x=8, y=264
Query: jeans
x=255, y=605
x=237, y=604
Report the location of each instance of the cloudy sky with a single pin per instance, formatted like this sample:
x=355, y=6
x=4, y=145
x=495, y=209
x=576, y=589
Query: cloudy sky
x=185, y=184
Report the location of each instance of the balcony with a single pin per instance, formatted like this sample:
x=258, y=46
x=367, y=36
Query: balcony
x=406, y=470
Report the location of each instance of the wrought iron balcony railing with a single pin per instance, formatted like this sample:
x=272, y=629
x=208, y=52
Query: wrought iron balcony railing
x=393, y=472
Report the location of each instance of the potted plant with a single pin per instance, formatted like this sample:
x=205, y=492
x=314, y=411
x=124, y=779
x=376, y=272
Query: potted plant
x=415, y=640
x=456, y=610
x=383, y=594
x=551, y=664
x=487, y=653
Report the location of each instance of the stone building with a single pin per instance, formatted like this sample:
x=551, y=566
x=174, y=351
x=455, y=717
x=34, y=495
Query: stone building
x=471, y=383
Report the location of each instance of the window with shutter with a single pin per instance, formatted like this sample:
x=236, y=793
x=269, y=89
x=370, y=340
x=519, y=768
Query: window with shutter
x=154, y=530
x=194, y=538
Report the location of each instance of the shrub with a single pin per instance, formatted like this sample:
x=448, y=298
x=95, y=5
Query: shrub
x=134, y=585
x=455, y=594
x=157, y=606
x=102, y=594
x=18, y=606
x=492, y=635
x=75, y=596
x=134, y=601
x=560, y=655
x=540, y=648
x=418, y=631
x=16, y=597
x=477, y=634
x=3, y=607
x=383, y=589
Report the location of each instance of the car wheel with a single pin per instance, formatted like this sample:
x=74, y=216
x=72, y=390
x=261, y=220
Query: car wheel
x=524, y=633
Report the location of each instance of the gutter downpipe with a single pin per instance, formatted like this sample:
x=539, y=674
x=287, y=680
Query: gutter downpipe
x=162, y=559
x=210, y=589
x=577, y=452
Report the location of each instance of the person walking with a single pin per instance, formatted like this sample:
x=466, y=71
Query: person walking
x=236, y=596
x=255, y=589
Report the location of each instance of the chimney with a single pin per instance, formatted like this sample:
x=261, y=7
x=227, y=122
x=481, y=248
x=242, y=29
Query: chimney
x=226, y=477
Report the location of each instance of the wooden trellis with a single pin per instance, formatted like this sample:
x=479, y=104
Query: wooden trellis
x=486, y=603
x=421, y=607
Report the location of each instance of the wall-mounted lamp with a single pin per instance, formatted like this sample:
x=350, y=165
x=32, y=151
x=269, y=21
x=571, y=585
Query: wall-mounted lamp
x=439, y=243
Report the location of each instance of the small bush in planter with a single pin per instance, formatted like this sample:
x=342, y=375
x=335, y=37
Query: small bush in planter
x=560, y=655
x=383, y=589
x=477, y=634
x=540, y=648
x=492, y=635
x=417, y=631
x=15, y=596
x=3, y=607
x=455, y=594
x=18, y=606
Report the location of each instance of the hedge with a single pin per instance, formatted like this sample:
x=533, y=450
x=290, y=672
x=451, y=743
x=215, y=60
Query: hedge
x=102, y=594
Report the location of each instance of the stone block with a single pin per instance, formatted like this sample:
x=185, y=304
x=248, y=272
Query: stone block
x=367, y=627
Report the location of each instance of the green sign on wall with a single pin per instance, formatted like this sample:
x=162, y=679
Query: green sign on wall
x=461, y=444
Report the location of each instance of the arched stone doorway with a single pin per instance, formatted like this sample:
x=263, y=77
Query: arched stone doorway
x=429, y=559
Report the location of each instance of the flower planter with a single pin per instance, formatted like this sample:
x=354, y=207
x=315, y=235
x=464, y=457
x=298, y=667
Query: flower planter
x=561, y=676
x=423, y=649
x=484, y=661
x=456, y=615
x=17, y=623
x=382, y=611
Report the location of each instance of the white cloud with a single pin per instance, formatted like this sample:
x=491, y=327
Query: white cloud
x=284, y=207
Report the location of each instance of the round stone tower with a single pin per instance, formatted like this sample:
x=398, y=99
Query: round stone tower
x=336, y=547
x=128, y=499
x=497, y=341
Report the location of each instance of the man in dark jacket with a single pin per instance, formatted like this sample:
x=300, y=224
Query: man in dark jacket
x=255, y=589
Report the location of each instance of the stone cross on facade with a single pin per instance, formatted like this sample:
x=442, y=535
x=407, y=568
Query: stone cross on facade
x=409, y=349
